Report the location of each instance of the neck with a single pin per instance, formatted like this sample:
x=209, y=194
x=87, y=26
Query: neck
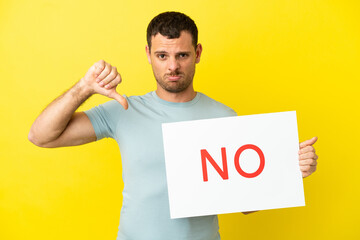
x=184, y=96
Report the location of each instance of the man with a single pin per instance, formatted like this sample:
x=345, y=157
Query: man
x=135, y=123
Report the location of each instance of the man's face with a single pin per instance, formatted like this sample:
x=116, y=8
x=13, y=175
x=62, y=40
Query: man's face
x=173, y=61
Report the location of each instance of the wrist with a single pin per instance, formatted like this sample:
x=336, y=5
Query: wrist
x=81, y=91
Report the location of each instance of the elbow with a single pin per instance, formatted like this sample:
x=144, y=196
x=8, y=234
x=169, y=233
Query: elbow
x=35, y=140
x=32, y=138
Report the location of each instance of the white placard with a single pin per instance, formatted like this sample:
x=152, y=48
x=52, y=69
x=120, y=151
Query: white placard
x=233, y=164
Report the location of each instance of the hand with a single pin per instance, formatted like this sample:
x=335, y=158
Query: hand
x=307, y=157
x=102, y=78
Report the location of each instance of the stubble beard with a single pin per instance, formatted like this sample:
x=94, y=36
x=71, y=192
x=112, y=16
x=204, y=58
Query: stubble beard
x=175, y=86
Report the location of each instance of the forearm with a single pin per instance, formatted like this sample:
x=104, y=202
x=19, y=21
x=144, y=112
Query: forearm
x=51, y=123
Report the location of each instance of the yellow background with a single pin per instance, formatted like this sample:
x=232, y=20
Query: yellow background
x=259, y=56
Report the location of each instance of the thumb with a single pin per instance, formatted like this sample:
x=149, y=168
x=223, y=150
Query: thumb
x=115, y=95
x=308, y=142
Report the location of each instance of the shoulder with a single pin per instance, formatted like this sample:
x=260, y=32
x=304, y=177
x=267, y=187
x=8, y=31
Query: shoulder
x=216, y=106
x=139, y=99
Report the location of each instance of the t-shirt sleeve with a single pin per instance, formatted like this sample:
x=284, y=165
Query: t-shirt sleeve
x=232, y=113
x=104, y=119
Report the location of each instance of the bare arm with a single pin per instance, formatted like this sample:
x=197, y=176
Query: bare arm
x=58, y=125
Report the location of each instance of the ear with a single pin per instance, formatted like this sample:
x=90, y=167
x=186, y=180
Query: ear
x=148, y=53
x=198, y=52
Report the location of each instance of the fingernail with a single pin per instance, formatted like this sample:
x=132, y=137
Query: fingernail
x=101, y=84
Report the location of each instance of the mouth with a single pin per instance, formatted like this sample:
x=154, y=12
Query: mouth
x=174, y=78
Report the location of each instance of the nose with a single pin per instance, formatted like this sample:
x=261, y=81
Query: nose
x=173, y=64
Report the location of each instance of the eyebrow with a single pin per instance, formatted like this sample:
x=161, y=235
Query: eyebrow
x=181, y=52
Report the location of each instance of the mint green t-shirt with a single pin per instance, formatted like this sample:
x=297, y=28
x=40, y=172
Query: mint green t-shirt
x=145, y=213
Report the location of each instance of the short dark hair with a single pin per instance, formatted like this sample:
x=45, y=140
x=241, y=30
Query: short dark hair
x=170, y=24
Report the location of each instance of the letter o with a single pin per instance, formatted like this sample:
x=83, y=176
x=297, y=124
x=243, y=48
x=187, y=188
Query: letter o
x=237, y=160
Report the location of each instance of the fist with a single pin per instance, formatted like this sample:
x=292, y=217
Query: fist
x=307, y=157
x=102, y=78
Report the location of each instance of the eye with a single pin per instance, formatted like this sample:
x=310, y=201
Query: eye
x=183, y=55
x=161, y=56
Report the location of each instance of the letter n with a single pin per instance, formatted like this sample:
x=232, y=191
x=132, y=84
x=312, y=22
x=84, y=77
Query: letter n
x=205, y=155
